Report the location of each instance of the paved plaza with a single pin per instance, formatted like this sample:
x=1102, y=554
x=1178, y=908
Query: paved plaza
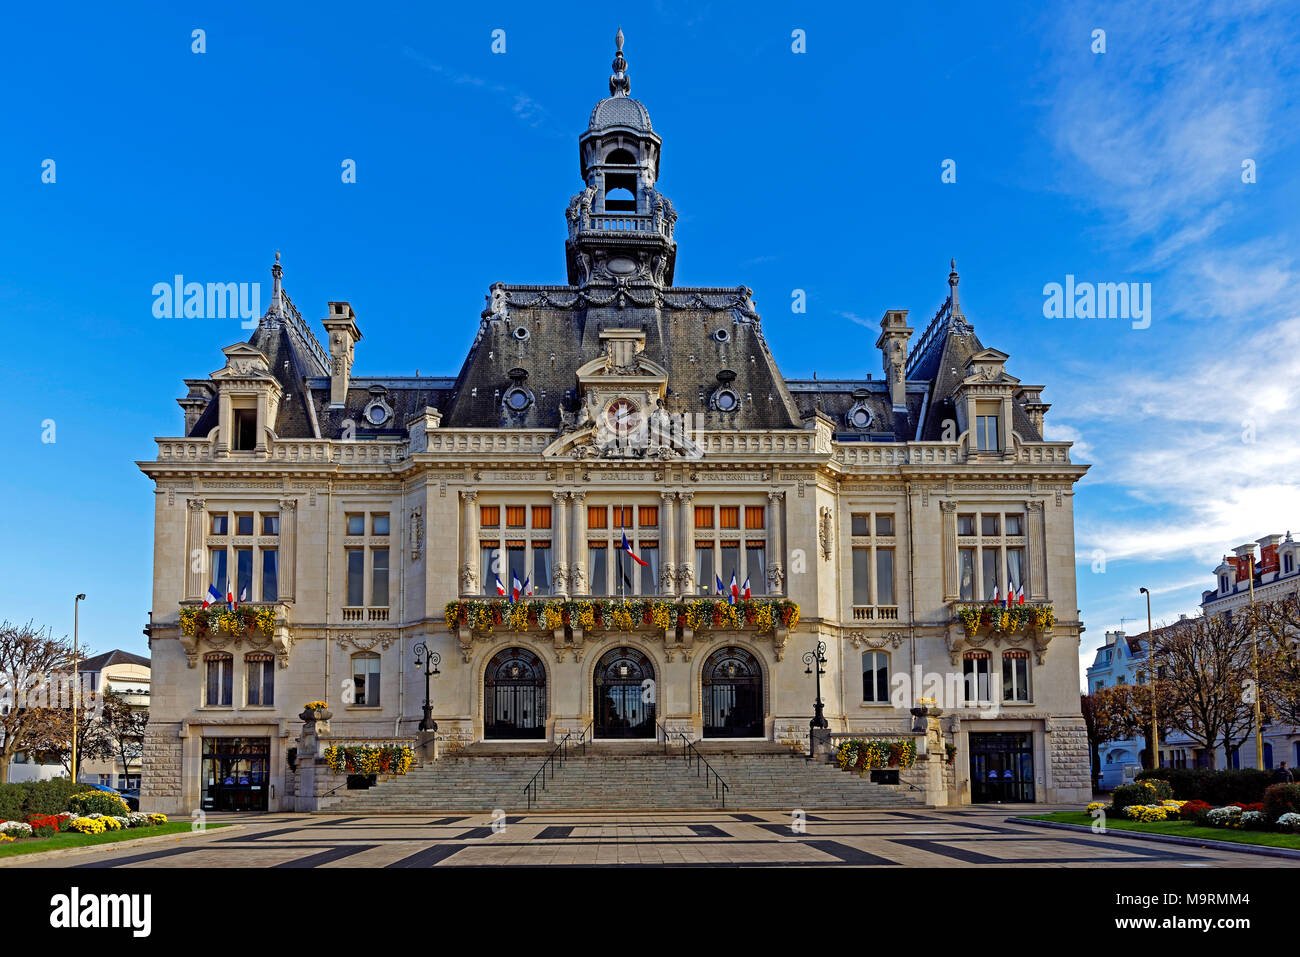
x=896, y=838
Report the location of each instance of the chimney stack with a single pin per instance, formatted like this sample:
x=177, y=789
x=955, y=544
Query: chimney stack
x=892, y=343
x=341, y=326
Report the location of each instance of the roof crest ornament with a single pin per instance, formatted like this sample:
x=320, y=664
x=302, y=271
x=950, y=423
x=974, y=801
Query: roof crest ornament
x=619, y=84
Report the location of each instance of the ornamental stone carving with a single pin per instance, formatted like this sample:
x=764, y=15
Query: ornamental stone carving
x=366, y=642
x=417, y=533
x=826, y=532
x=668, y=578
x=861, y=638
x=775, y=578
x=686, y=578
x=468, y=579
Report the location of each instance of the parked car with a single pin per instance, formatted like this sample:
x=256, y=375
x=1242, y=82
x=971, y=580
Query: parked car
x=132, y=798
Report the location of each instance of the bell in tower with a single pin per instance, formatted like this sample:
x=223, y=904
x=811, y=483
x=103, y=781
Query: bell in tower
x=620, y=226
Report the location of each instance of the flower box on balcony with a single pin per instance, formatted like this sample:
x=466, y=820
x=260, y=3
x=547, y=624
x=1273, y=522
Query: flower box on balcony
x=995, y=617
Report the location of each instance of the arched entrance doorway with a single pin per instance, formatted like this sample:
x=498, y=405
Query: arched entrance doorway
x=514, y=695
x=732, y=695
x=624, y=695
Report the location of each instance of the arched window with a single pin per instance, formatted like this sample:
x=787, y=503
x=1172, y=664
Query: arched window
x=622, y=157
x=220, y=669
x=620, y=192
x=365, y=679
x=732, y=695
x=1268, y=755
x=875, y=677
x=624, y=695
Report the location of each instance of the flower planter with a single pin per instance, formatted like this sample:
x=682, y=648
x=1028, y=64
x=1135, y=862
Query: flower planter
x=316, y=714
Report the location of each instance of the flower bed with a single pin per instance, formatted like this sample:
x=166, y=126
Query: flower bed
x=1249, y=816
x=364, y=759
x=861, y=756
x=220, y=620
x=490, y=614
x=41, y=826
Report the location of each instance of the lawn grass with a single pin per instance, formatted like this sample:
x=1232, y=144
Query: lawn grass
x=1178, y=829
x=36, y=845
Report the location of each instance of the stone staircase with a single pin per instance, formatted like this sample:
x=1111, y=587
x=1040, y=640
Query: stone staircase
x=621, y=776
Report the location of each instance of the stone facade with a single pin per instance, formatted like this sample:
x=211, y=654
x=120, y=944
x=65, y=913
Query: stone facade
x=872, y=503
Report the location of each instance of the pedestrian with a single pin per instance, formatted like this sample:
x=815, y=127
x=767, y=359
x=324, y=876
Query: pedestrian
x=1283, y=774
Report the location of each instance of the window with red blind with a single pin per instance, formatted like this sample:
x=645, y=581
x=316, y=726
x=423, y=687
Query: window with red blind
x=649, y=516
x=597, y=516
x=703, y=516
x=516, y=516
x=622, y=516
x=541, y=516
x=490, y=516
x=728, y=516
x=754, y=516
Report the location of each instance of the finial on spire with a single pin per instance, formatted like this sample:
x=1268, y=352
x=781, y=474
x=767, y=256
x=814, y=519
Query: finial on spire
x=276, y=300
x=953, y=279
x=619, y=85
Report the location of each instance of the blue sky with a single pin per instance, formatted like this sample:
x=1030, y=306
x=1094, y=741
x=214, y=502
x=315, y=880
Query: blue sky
x=817, y=171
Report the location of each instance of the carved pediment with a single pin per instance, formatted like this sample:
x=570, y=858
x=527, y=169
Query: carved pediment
x=243, y=362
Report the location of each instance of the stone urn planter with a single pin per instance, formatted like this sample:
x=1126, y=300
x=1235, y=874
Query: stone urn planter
x=316, y=714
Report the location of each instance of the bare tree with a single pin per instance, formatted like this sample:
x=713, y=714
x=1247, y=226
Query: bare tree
x=124, y=726
x=1278, y=629
x=1208, y=662
x=29, y=658
x=50, y=735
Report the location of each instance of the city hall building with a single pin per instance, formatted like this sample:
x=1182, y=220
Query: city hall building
x=361, y=515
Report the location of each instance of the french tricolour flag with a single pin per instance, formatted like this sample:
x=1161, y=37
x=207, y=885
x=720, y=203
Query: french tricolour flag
x=527, y=589
x=515, y=588
x=214, y=596
x=721, y=591
x=501, y=589
x=745, y=589
x=627, y=547
x=997, y=597
x=735, y=591
x=1020, y=594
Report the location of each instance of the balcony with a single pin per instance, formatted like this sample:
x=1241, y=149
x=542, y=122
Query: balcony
x=875, y=613
x=363, y=613
x=260, y=624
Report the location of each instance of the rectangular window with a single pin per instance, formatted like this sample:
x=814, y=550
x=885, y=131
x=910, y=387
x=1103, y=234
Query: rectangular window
x=704, y=573
x=975, y=671
x=988, y=524
x=220, y=524
x=365, y=680
x=270, y=574
x=489, y=559
x=730, y=565
x=379, y=523
x=862, y=576
x=597, y=517
x=875, y=677
x=625, y=573
x=541, y=516
x=270, y=523
x=884, y=576
x=379, y=577
x=244, y=574
x=622, y=516
x=756, y=567
x=755, y=516
x=598, y=568
x=356, y=523
x=966, y=574
x=703, y=516
x=245, y=427
x=965, y=524
x=490, y=516
x=986, y=433
x=261, y=680
x=541, y=568
x=989, y=558
x=516, y=516
x=220, y=577
x=220, y=681
x=884, y=525
x=244, y=523
x=728, y=516
x=648, y=516
x=1015, y=570
x=516, y=569
x=650, y=572
x=356, y=570
x=1014, y=526
x=1015, y=676
x=860, y=524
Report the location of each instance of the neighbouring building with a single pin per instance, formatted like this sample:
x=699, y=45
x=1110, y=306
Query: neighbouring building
x=352, y=509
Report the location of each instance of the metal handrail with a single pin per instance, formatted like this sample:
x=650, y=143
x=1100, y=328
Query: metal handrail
x=530, y=789
x=693, y=758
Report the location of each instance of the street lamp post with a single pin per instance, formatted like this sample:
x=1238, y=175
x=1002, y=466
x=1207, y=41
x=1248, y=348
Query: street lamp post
x=430, y=662
x=1151, y=677
x=1254, y=651
x=76, y=620
x=818, y=658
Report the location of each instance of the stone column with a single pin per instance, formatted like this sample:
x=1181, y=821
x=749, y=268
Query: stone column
x=469, y=570
x=668, y=546
x=195, y=586
x=288, y=548
x=1036, y=544
x=686, y=547
x=776, y=543
x=560, y=537
x=263, y=422
x=948, y=516
x=578, y=567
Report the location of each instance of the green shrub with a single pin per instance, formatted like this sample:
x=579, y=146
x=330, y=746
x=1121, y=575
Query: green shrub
x=20, y=801
x=1148, y=791
x=1281, y=799
x=1239, y=786
x=98, y=802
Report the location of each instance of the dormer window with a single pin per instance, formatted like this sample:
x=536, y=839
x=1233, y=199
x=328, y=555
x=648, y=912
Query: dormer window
x=986, y=433
x=244, y=427
x=1223, y=583
x=1288, y=563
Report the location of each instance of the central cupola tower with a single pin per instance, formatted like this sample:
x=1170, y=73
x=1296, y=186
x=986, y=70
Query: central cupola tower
x=620, y=226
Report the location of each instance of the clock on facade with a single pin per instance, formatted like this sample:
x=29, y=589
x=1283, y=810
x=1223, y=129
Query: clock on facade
x=622, y=415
